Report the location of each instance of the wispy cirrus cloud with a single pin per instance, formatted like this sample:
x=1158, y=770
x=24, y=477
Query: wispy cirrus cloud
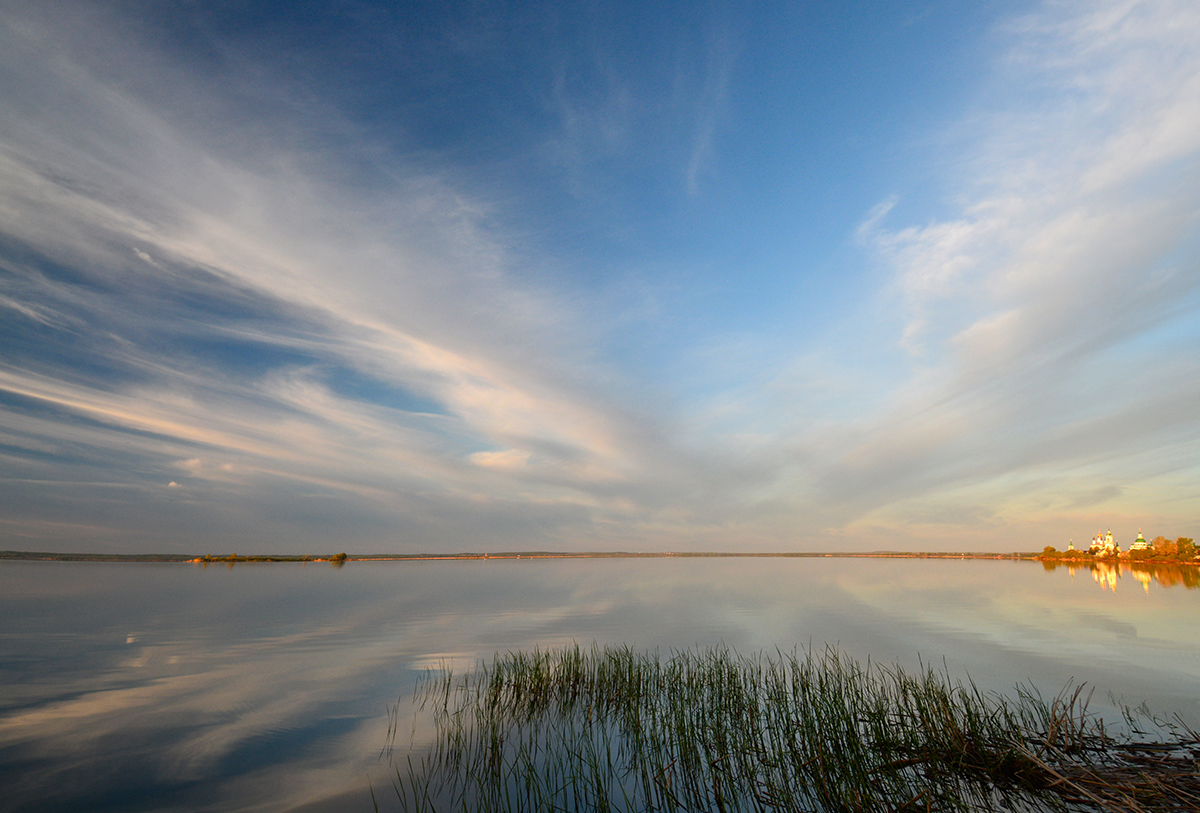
x=246, y=309
x=721, y=54
x=214, y=277
x=1050, y=319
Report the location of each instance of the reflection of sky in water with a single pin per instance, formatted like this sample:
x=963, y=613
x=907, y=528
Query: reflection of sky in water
x=137, y=686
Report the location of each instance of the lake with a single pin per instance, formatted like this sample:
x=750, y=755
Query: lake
x=267, y=687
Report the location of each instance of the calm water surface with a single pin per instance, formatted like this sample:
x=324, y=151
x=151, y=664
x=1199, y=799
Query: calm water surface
x=265, y=687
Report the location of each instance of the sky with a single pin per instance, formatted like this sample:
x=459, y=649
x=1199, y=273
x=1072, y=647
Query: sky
x=413, y=277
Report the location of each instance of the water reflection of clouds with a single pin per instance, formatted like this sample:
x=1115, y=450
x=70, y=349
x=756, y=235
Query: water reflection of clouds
x=269, y=685
x=1107, y=624
x=178, y=712
x=182, y=727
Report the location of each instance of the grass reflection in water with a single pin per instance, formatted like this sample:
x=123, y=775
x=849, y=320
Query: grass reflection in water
x=711, y=730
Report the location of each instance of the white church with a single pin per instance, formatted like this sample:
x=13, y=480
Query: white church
x=1105, y=545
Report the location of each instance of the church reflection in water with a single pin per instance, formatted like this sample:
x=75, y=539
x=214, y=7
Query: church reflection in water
x=1108, y=574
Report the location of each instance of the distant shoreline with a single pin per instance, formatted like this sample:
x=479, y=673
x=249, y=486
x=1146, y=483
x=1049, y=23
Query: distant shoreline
x=342, y=558
x=186, y=558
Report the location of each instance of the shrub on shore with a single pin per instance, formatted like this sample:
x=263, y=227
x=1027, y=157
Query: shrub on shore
x=1049, y=552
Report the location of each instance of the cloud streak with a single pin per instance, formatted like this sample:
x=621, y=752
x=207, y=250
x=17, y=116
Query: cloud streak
x=220, y=288
x=227, y=295
x=1050, y=320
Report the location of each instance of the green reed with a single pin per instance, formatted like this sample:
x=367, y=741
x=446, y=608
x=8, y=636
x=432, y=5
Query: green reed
x=610, y=729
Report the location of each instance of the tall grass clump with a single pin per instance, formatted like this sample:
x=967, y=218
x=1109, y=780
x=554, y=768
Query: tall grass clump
x=610, y=729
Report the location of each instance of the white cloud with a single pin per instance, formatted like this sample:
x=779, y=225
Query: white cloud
x=1062, y=290
x=404, y=279
x=1040, y=320
x=506, y=459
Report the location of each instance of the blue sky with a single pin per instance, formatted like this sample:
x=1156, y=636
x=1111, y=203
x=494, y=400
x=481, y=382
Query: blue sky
x=645, y=276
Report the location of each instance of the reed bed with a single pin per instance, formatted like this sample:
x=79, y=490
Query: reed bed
x=611, y=729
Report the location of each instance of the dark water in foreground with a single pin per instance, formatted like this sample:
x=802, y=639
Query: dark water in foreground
x=265, y=687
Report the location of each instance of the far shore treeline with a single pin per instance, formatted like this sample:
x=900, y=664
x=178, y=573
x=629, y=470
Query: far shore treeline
x=1159, y=551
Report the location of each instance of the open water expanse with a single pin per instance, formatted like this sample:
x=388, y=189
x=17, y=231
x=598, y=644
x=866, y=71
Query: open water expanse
x=266, y=687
